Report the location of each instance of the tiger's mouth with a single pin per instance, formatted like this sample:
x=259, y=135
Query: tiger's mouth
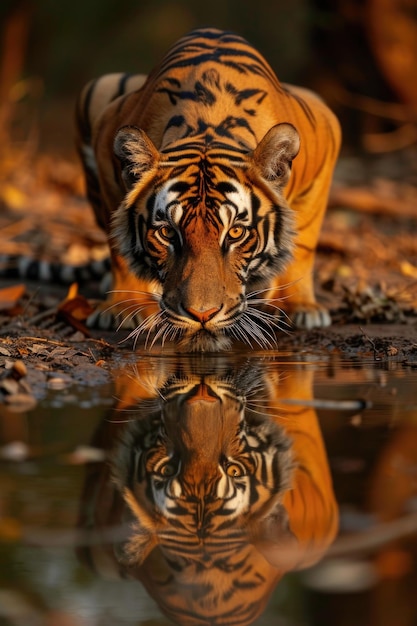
x=242, y=323
x=204, y=340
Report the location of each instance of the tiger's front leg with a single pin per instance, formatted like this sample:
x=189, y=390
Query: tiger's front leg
x=293, y=291
x=130, y=302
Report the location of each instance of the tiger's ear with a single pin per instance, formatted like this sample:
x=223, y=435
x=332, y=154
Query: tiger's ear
x=274, y=154
x=273, y=538
x=136, y=153
x=143, y=538
x=299, y=540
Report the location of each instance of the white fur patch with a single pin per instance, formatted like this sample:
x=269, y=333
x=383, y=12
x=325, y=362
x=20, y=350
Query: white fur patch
x=237, y=208
x=89, y=157
x=167, y=208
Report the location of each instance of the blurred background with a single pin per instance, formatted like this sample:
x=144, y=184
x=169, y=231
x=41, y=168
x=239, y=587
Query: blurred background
x=361, y=55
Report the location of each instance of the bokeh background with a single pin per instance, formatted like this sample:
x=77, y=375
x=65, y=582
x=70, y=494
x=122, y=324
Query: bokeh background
x=361, y=55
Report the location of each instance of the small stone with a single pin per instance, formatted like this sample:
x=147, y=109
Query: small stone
x=19, y=368
x=14, y=451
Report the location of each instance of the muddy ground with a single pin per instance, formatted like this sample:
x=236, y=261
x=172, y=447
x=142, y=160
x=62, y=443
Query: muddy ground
x=366, y=274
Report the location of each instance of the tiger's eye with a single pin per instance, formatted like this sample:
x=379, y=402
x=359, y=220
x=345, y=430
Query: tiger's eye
x=234, y=470
x=167, y=232
x=236, y=232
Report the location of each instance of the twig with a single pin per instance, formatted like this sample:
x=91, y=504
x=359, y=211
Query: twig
x=370, y=341
x=367, y=201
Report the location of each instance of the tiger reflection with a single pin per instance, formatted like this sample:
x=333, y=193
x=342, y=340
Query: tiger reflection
x=224, y=492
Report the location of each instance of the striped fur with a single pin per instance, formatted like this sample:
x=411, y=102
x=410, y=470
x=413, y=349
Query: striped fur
x=211, y=179
x=222, y=491
x=30, y=268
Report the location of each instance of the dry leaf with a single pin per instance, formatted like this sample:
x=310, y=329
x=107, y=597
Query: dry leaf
x=407, y=269
x=13, y=197
x=9, y=296
x=78, y=308
x=72, y=292
x=75, y=309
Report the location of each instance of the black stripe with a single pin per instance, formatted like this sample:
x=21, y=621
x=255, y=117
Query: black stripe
x=192, y=145
x=122, y=84
x=227, y=171
x=306, y=109
x=85, y=119
x=190, y=156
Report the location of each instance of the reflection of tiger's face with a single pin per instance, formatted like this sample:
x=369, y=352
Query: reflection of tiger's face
x=222, y=489
x=197, y=471
x=201, y=463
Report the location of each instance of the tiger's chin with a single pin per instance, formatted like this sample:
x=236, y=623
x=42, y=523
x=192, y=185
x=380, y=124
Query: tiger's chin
x=204, y=341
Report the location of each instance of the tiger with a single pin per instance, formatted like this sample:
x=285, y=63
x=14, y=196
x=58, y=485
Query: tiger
x=219, y=491
x=210, y=179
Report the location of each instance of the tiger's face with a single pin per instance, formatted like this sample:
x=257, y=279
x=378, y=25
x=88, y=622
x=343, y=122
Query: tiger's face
x=214, y=501
x=209, y=230
x=198, y=458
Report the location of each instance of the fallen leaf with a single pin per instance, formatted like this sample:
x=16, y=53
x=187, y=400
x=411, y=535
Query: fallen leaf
x=72, y=292
x=78, y=308
x=407, y=269
x=75, y=312
x=38, y=348
x=13, y=197
x=9, y=296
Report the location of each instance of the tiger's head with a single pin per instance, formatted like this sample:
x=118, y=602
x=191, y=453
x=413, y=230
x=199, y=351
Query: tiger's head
x=208, y=222
x=202, y=478
x=200, y=456
x=210, y=502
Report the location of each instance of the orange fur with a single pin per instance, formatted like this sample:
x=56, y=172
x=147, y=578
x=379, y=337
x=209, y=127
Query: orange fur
x=211, y=179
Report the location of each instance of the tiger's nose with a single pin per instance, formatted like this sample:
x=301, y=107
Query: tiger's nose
x=203, y=316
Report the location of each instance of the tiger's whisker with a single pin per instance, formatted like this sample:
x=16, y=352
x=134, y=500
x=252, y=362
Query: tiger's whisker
x=271, y=321
x=153, y=296
x=134, y=334
x=270, y=288
x=255, y=315
x=131, y=315
x=159, y=333
x=270, y=338
x=273, y=315
x=254, y=331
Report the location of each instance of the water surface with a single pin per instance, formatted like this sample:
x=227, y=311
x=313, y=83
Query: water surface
x=251, y=488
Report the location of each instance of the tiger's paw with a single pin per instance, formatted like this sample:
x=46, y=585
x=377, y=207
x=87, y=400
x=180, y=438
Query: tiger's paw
x=309, y=316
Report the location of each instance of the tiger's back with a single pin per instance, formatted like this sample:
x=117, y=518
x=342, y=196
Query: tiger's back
x=210, y=136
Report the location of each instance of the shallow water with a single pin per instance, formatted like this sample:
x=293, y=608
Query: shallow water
x=251, y=488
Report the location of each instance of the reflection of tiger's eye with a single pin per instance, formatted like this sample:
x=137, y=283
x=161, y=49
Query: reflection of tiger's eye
x=167, y=469
x=167, y=232
x=234, y=470
x=236, y=232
